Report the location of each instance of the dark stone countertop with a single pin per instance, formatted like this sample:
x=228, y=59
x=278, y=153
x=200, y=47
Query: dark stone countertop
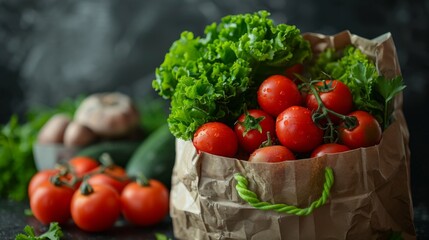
x=13, y=220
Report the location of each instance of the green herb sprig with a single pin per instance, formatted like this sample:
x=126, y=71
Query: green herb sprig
x=54, y=233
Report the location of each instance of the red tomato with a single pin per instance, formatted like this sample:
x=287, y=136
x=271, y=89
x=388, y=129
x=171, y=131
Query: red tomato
x=366, y=133
x=296, y=130
x=329, y=148
x=51, y=203
x=295, y=69
x=82, y=165
x=145, y=205
x=275, y=153
x=114, y=176
x=39, y=178
x=252, y=127
x=96, y=210
x=277, y=93
x=338, y=99
x=216, y=138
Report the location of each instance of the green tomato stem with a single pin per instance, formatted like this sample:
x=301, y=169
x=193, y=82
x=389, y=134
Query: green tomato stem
x=86, y=188
x=142, y=180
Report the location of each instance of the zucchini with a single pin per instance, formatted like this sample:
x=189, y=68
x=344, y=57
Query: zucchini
x=155, y=157
x=120, y=151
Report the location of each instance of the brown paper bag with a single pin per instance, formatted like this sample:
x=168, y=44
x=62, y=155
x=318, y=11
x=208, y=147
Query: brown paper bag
x=370, y=197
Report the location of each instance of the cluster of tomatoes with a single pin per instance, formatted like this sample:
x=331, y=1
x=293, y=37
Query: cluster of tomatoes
x=292, y=121
x=95, y=195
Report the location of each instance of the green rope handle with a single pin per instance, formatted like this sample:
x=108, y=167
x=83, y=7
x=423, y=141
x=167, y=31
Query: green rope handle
x=251, y=197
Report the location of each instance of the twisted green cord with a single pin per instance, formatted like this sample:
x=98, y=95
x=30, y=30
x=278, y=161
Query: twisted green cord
x=251, y=197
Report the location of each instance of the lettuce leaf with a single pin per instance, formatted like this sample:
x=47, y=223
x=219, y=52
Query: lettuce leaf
x=215, y=77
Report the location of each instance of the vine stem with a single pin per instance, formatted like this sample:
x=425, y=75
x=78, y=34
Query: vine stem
x=106, y=163
x=323, y=112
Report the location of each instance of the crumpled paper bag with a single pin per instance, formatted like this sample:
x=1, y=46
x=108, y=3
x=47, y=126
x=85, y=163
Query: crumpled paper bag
x=370, y=198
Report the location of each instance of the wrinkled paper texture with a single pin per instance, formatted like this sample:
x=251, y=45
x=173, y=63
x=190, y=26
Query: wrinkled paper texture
x=370, y=197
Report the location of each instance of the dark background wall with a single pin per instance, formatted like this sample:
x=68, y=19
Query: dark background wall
x=51, y=50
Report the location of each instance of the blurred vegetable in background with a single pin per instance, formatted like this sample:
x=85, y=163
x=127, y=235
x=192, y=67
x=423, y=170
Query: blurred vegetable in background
x=16, y=148
x=18, y=136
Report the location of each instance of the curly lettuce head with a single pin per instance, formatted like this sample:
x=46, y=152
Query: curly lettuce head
x=215, y=77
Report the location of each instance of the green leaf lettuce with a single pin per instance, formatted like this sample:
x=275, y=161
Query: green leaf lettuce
x=215, y=77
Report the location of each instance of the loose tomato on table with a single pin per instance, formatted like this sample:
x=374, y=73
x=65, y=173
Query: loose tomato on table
x=276, y=93
x=296, y=130
x=50, y=201
x=329, y=148
x=335, y=96
x=366, y=131
x=216, y=138
x=114, y=176
x=95, y=208
x=145, y=203
x=252, y=127
x=274, y=153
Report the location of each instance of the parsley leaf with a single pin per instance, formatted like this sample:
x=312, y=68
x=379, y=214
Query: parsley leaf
x=54, y=233
x=388, y=90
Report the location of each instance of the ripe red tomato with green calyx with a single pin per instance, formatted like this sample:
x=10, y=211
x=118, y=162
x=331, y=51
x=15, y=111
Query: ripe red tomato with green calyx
x=296, y=130
x=95, y=208
x=50, y=201
x=329, y=148
x=334, y=95
x=39, y=178
x=366, y=132
x=252, y=127
x=276, y=93
x=82, y=165
x=145, y=203
x=216, y=138
x=114, y=176
x=270, y=154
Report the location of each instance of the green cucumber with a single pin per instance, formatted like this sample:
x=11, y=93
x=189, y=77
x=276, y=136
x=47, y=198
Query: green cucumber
x=120, y=151
x=155, y=157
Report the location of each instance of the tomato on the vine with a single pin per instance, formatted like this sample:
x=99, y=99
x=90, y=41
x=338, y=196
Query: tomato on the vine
x=114, y=176
x=252, y=127
x=295, y=69
x=366, y=133
x=335, y=95
x=39, y=178
x=50, y=202
x=95, y=208
x=145, y=204
x=296, y=130
x=82, y=165
x=216, y=138
x=274, y=153
x=276, y=93
x=329, y=148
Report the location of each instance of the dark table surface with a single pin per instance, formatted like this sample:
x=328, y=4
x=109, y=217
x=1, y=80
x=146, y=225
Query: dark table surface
x=13, y=220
